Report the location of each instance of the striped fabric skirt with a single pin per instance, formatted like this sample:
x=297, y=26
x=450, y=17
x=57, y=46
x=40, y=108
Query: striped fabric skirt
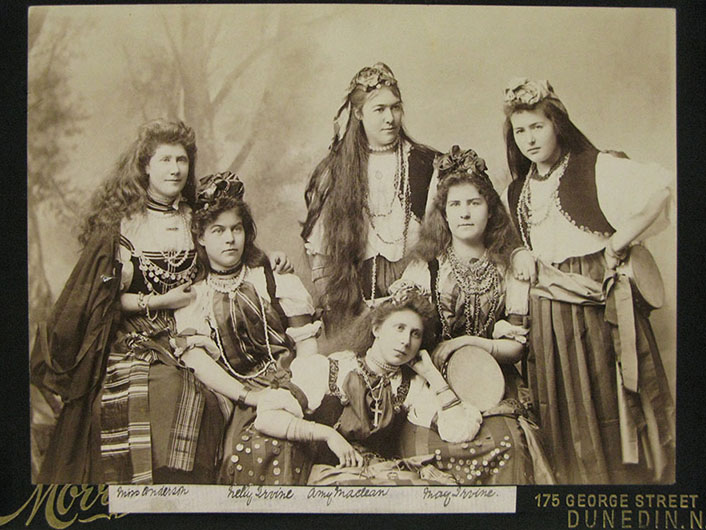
x=158, y=423
x=572, y=376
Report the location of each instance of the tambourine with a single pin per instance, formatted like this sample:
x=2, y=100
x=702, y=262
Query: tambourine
x=475, y=376
x=644, y=276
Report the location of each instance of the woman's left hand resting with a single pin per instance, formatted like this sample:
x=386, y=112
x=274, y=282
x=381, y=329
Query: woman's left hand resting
x=346, y=453
x=446, y=348
x=204, y=342
x=422, y=364
x=280, y=262
x=503, y=329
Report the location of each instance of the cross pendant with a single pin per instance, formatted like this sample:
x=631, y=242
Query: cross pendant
x=377, y=412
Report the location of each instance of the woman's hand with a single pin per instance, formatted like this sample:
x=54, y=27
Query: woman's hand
x=175, y=298
x=503, y=329
x=524, y=268
x=280, y=262
x=346, y=453
x=446, y=348
x=422, y=364
x=205, y=343
x=612, y=257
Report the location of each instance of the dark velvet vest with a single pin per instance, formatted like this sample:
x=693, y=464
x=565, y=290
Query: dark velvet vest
x=578, y=195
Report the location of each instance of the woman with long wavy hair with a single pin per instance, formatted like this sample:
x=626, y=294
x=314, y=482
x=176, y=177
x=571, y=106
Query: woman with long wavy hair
x=366, y=199
x=462, y=261
x=130, y=409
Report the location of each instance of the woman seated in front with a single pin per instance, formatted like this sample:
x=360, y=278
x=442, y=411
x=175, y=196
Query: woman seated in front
x=344, y=411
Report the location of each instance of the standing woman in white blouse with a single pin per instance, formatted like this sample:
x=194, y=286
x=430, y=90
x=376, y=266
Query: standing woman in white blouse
x=366, y=199
x=605, y=411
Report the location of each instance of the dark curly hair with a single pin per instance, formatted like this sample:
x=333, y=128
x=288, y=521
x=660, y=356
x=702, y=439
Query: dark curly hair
x=202, y=218
x=500, y=237
x=124, y=192
x=359, y=336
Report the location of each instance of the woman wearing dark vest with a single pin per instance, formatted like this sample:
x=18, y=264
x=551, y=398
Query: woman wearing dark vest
x=605, y=411
x=366, y=199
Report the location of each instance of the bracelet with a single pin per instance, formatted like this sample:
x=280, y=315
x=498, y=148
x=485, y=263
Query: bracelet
x=241, y=397
x=442, y=390
x=300, y=430
x=455, y=401
x=147, y=307
x=141, y=301
x=518, y=249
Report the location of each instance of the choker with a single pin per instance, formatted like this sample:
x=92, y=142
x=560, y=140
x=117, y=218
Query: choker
x=157, y=206
x=536, y=175
x=388, y=368
x=226, y=272
x=384, y=148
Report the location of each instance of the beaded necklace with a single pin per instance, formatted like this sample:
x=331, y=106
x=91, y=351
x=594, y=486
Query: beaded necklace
x=474, y=280
x=395, y=191
x=230, y=287
x=384, y=148
x=405, y=196
x=160, y=279
x=529, y=216
x=536, y=175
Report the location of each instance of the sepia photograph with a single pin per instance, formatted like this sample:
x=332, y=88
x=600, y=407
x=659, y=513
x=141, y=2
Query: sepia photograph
x=387, y=249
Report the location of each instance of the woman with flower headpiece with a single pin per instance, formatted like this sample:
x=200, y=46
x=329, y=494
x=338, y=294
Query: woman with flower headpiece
x=337, y=420
x=244, y=325
x=131, y=411
x=594, y=368
x=461, y=261
x=366, y=199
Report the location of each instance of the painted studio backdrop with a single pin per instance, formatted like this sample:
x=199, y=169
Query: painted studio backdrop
x=261, y=84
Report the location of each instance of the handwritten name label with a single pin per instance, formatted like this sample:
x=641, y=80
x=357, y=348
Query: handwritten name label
x=308, y=499
x=259, y=493
x=445, y=495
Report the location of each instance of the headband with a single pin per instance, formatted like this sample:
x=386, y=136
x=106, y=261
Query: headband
x=523, y=92
x=213, y=187
x=369, y=78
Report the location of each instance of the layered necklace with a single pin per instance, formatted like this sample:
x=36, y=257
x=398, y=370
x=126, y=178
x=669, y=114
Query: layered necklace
x=530, y=216
x=230, y=286
x=401, y=191
x=377, y=388
x=475, y=280
x=165, y=269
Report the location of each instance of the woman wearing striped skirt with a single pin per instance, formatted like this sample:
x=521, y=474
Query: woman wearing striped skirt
x=593, y=367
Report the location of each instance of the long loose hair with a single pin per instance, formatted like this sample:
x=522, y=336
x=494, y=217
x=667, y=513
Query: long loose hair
x=499, y=238
x=124, y=192
x=569, y=137
x=345, y=226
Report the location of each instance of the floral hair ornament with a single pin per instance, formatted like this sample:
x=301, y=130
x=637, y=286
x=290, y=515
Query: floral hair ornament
x=523, y=93
x=459, y=161
x=403, y=290
x=212, y=187
x=369, y=78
